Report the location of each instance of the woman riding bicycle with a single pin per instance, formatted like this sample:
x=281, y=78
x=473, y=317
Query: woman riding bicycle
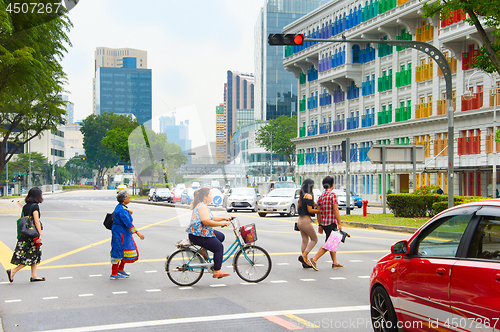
x=201, y=232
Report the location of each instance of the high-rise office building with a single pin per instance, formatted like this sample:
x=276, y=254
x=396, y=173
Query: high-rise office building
x=70, y=110
x=122, y=83
x=221, y=154
x=178, y=134
x=276, y=88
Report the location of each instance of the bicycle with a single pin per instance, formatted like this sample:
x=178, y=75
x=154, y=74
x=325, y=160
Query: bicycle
x=186, y=265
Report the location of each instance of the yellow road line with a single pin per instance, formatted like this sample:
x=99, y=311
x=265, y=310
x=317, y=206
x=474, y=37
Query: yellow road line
x=5, y=256
x=302, y=322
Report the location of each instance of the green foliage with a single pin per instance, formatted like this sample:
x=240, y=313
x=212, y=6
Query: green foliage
x=488, y=11
x=77, y=187
x=413, y=205
x=116, y=139
x=31, y=77
x=276, y=137
x=78, y=169
x=457, y=200
x=426, y=190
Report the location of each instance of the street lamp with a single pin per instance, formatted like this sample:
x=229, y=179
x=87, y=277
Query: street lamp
x=468, y=95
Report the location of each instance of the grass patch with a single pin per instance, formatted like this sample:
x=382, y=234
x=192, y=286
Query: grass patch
x=386, y=219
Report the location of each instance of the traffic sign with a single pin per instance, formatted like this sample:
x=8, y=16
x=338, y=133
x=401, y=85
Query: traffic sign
x=396, y=154
x=217, y=200
x=17, y=173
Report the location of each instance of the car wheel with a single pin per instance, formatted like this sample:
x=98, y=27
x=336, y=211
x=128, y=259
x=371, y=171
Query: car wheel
x=382, y=312
x=262, y=214
x=292, y=211
x=229, y=210
x=254, y=210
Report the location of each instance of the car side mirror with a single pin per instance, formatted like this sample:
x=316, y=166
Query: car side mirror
x=400, y=248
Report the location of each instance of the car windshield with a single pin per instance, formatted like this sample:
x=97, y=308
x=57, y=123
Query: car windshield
x=285, y=185
x=243, y=192
x=284, y=192
x=162, y=191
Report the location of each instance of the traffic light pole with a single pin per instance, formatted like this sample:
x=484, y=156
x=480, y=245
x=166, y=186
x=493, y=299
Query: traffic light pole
x=442, y=62
x=348, y=176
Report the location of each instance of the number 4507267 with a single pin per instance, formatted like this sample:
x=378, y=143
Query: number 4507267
x=33, y=7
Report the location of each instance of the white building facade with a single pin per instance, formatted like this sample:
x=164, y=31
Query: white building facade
x=378, y=94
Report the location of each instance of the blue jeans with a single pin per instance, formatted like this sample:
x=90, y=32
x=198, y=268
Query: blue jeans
x=213, y=244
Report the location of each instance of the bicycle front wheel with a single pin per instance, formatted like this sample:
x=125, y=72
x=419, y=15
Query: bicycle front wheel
x=178, y=270
x=252, y=264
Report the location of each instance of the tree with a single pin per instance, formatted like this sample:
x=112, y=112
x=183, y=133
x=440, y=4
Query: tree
x=99, y=157
x=31, y=77
x=116, y=139
x=39, y=166
x=486, y=10
x=78, y=168
x=150, y=152
x=276, y=136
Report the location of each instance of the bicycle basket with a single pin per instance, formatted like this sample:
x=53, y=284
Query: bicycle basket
x=248, y=233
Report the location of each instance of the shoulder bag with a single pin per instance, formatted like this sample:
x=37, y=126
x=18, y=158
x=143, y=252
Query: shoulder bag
x=108, y=221
x=26, y=225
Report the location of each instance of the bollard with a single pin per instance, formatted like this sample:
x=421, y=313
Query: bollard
x=365, y=205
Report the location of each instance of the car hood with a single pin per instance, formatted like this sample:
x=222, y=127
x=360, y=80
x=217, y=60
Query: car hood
x=241, y=197
x=277, y=199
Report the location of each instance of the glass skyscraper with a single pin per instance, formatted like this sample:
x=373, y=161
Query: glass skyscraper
x=276, y=88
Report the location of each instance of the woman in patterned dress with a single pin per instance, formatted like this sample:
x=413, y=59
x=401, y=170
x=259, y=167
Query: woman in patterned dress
x=123, y=247
x=201, y=232
x=27, y=252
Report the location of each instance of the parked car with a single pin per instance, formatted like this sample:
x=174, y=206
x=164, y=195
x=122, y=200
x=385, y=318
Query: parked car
x=241, y=199
x=282, y=201
x=341, y=200
x=187, y=195
x=217, y=197
x=356, y=199
x=151, y=193
x=176, y=194
x=162, y=194
x=121, y=187
x=445, y=277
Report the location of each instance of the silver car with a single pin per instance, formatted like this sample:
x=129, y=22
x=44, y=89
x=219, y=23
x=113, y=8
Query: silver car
x=241, y=199
x=282, y=201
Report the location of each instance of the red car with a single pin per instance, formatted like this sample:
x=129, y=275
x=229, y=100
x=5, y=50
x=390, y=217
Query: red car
x=176, y=195
x=446, y=277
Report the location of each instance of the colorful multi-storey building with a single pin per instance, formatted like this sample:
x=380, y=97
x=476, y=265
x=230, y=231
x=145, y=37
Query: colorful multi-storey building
x=382, y=94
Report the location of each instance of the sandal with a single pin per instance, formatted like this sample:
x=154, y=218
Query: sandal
x=337, y=265
x=220, y=274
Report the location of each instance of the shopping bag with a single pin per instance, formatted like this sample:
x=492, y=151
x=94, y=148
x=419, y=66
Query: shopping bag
x=333, y=241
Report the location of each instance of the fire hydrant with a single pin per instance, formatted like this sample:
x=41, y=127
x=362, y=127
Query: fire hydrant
x=365, y=205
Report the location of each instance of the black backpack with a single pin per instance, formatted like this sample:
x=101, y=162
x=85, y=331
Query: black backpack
x=108, y=221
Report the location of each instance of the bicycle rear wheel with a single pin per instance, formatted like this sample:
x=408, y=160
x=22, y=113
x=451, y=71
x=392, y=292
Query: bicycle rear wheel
x=176, y=268
x=252, y=264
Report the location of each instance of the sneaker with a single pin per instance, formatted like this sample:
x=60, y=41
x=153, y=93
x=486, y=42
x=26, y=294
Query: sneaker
x=123, y=273
x=116, y=277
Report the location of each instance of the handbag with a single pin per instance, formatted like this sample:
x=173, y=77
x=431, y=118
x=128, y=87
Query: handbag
x=333, y=241
x=26, y=226
x=108, y=221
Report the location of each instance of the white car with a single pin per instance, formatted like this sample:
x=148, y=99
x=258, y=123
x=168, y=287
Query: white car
x=151, y=193
x=282, y=201
x=241, y=199
x=341, y=199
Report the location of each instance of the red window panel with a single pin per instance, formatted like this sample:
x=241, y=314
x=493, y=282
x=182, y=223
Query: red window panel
x=460, y=146
x=478, y=184
x=471, y=184
x=476, y=145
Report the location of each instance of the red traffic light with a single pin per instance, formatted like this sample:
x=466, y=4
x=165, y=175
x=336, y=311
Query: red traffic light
x=285, y=39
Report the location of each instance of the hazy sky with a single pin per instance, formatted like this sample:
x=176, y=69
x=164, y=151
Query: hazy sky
x=190, y=44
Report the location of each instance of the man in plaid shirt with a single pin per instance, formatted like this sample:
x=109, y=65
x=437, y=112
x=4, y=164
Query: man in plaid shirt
x=329, y=218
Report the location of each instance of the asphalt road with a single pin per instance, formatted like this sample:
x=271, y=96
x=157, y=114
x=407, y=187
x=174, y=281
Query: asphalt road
x=79, y=296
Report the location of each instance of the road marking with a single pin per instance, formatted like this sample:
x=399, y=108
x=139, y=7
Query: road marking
x=218, y=285
x=183, y=288
x=120, y=292
x=302, y=322
x=355, y=261
x=95, y=275
x=12, y=301
x=205, y=319
x=281, y=322
x=247, y=283
x=278, y=281
x=283, y=264
x=152, y=271
x=50, y=298
x=85, y=295
x=337, y=278
x=363, y=277
x=307, y=279
x=61, y=278
x=153, y=290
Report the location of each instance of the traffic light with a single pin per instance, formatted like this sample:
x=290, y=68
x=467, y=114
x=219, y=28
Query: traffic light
x=285, y=39
x=19, y=178
x=84, y=158
x=344, y=150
